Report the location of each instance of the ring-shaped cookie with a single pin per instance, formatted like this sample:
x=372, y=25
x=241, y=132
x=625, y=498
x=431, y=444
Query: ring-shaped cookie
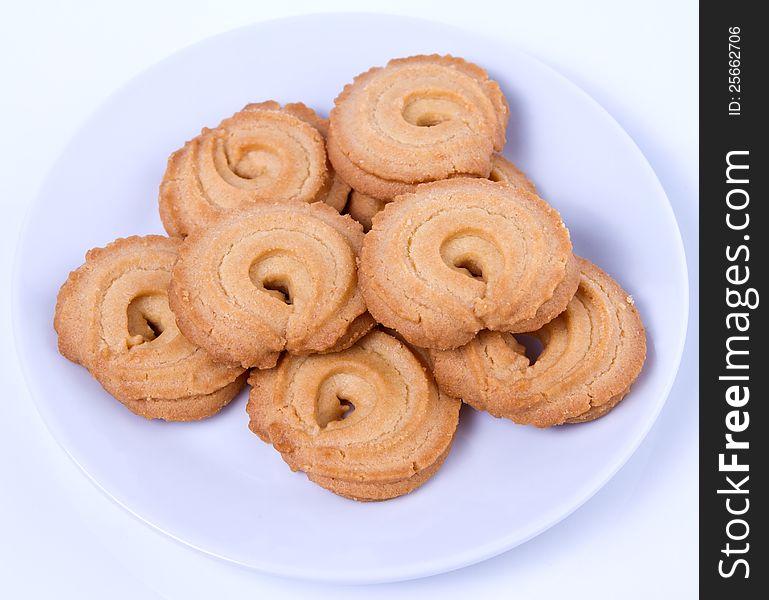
x=367, y=423
x=113, y=318
x=264, y=153
x=418, y=119
x=271, y=278
x=462, y=255
x=591, y=355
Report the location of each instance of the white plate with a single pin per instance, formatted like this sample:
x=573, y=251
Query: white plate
x=214, y=485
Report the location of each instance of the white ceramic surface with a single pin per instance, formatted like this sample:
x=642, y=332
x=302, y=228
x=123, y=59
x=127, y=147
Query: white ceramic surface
x=215, y=486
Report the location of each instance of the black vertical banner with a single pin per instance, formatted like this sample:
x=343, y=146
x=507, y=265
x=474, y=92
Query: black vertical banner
x=734, y=426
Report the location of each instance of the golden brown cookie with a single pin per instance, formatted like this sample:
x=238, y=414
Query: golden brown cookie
x=362, y=208
x=339, y=194
x=112, y=317
x=264, y=153
x=270, y=278
x=505, y=171
x=418, y=119
x=592, y=353
x=367, y=423
x=462, y=255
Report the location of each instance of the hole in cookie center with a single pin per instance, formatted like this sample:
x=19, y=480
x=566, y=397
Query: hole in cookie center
x=471, y=268
x=155, y=328
x=254, y=162
x=346, y=407
x=143, y=326
x=430, y=120
x=336, y=410
x=278, y=288
x=532, y=345
x=427, y=111
x=275, y=285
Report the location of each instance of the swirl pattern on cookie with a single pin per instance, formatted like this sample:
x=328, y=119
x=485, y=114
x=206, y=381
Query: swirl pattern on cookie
x=271, y=278
x=592, y=353
x=264, y=153
x=418, y=119
x=367, y=423
x=462, y=255
x=112, y=317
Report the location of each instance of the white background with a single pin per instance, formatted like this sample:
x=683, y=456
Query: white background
x=60, y=537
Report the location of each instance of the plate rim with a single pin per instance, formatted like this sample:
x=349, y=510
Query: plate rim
x=427, y=567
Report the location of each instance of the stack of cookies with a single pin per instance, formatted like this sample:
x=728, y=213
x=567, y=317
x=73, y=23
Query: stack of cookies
x=364, y=274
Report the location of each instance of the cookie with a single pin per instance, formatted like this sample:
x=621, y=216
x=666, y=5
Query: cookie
x=591, y=355
x=462, y=255
x=505, y=171
x=112, y=317
x=418, y=119
x=264, y=153
x=367, y=423
x=339, y=192
x=270, y=278
x=362, y=208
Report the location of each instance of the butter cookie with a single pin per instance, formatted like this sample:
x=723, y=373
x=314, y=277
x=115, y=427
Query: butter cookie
x=367, y=423
x=591, y=355
x=362, y=208
x=264, y=153
x=418, y=119
x=271, y=278
x=505, y=171
x=112, y=317
x=462, y=255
